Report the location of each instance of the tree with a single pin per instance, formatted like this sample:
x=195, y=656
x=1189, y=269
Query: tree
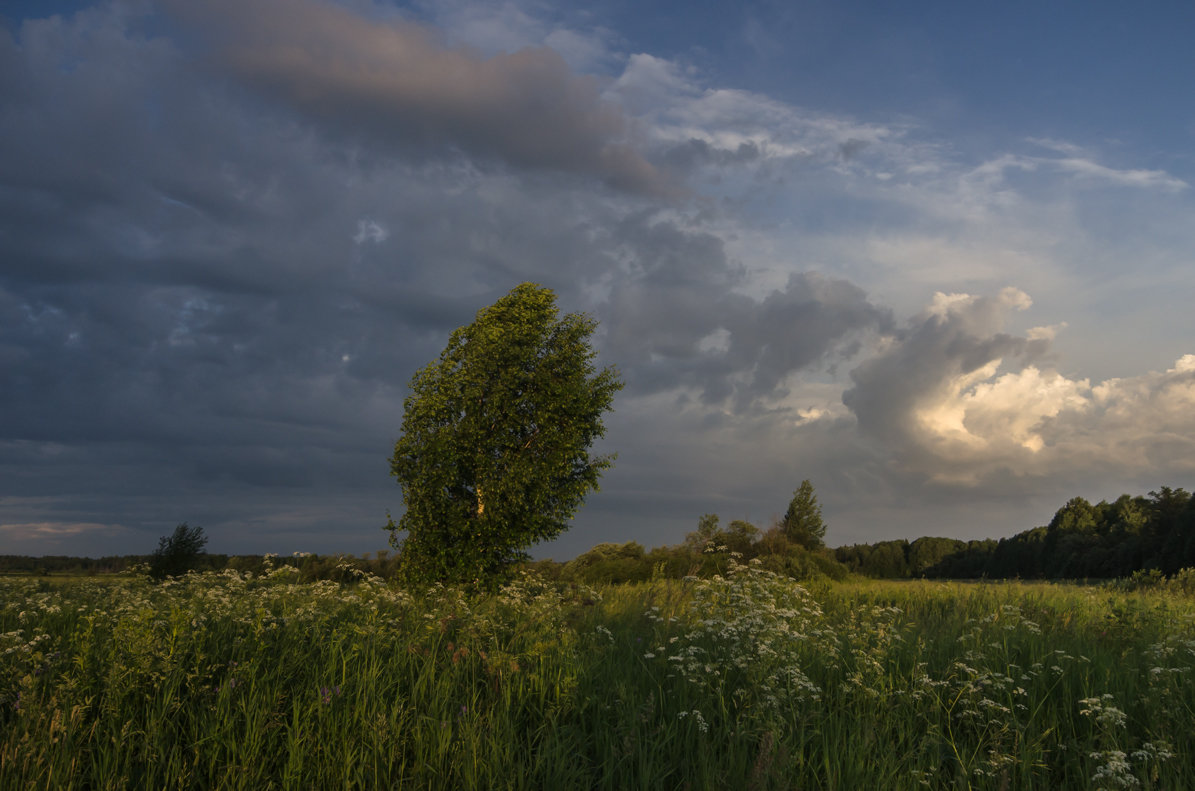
x=494, y=453
x=887, y=560
x=740, y=536
x=927, y=552
x=609, y=563
x=802, y=521
x=707, y=528
x=1077, y=516
x=176, y=554
x=1068, y=535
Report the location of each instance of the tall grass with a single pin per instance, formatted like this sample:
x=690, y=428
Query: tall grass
x=744, y=681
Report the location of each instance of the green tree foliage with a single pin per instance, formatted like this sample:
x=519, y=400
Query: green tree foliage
x=711, y=546
x=177, y=553
x=609, y=564
x=740, y=536
x=494, y=453
x=802, y=521
x=924, y=553
x=1077, y=516
x=708, y=551
x=1172, y=529
x=776, y=553
x=887, y=559
x=1101, y=541
x=707, y=528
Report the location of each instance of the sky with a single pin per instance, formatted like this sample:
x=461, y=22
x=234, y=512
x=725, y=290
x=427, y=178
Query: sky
x=934, y=257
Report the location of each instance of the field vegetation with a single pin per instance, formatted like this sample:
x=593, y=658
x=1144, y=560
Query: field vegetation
x=744, y=679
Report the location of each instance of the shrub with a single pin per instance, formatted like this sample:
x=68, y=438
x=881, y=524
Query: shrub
x=177, y=554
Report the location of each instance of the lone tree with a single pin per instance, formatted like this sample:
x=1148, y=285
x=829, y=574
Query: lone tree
x=176, y=554
x=494, y=453
x=802, y=521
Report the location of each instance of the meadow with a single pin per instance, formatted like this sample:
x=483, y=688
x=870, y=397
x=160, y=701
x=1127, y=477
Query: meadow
x=744, y=681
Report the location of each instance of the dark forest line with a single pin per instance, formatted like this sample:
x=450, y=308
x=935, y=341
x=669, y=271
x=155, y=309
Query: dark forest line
x=1106, y=540
x=311, y=566
x=1142, y=534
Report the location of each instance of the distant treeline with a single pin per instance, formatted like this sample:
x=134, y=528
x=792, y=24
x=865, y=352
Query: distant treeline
x=701, y=555
x=1154, y=533
x=1101, y=541
x=311, y=567
x=65, y=564
x=705, y=552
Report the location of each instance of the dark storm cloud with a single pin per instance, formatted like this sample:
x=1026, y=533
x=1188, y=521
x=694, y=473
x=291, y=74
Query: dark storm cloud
x=209, y=313
x=813, y=318
x=674, y=320
x=393, y=82
x=210, y=306
x=186, y=323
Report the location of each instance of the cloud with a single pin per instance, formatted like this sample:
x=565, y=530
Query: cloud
x=939, y=399
x=370, y=231
x=1085, y=168
x=674, y=320
x=513, y=25
x=65, y=537
x=852, y=147
x=1144, y=422
x=955, y=338
x=1146, y=179
x=209, y=314
x=394, y=82
x=54, y=530
x=692, y=125
x=210, y=303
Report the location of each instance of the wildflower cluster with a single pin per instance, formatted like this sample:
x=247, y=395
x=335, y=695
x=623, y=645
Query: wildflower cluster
x=748, y=635
x=1114, y=768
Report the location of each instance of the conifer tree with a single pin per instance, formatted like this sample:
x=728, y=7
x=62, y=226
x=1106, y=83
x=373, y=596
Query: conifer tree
x=802, y=521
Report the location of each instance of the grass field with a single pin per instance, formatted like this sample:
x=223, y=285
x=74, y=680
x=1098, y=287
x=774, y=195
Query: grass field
x=749, y=681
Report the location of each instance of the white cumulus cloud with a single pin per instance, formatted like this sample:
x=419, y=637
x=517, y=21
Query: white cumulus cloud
x=956, y=399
